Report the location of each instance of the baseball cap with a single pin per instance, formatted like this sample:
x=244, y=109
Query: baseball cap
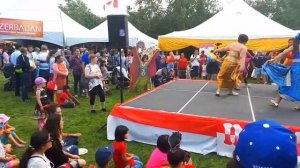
x=104, y=154
x=40, y=80
x=4, y=118
x=266, y=144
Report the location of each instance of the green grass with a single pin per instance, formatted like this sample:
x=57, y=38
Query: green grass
x=80, y=120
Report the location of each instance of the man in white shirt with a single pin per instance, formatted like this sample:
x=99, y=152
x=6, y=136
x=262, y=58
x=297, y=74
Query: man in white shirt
x=194, y=59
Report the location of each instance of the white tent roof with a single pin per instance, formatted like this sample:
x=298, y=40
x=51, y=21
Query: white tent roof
x=55, y=22
x=236, y=18
x=101, y=31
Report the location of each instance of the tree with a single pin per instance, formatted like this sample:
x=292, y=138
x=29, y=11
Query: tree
x=147, y=17
x=285, y=12
x=78, y=11
x=185, y=14
x=288, y=13
x=153, y=19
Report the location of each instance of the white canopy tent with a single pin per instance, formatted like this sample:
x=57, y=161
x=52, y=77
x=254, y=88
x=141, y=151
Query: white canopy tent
x=101, y=31
x=236, y=18
x=59, y=28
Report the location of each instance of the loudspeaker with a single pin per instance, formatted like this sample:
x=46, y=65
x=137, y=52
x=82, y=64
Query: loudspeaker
x=118, y=31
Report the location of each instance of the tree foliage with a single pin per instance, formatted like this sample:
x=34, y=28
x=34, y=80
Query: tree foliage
x=154, y=19
x=158, y=17
x=285, y=12
x=148, y=16
x=78, y=11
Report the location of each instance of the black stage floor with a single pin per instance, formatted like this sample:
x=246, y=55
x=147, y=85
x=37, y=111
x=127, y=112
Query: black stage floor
x=198, y=98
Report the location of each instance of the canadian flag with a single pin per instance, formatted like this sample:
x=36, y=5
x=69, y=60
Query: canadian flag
x=109, y=3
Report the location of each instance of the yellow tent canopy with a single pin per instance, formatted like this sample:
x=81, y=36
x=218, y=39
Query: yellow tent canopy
x=171, y=44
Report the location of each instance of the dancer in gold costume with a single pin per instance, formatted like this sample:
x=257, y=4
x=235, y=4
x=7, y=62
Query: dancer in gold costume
x=230, y=74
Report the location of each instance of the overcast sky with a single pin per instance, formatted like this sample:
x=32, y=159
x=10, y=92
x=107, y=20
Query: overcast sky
x=97, y=5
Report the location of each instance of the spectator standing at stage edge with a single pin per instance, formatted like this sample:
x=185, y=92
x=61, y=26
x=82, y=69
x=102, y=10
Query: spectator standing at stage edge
x=170, y=61
x=182, y=64
x=43, y=65
x=194, y=59
x=60, y=73
x=258, y=61
x=76, y=66
x=93, y=73
x=203, y=63
x=23, y=69
x=158, y=61
x=213, y=66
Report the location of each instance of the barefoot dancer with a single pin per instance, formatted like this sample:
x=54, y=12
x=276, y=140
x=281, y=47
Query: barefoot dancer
x=280, y=74
x=233, y=65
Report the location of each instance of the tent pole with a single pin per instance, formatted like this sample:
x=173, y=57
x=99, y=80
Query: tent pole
x=63, y=30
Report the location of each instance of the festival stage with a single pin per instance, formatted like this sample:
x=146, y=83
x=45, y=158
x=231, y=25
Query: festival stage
x=208, y=123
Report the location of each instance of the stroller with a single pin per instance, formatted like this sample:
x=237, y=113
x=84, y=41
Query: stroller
x=117, y=78
x=106, y=82
x=8, y=72
x=162, y=76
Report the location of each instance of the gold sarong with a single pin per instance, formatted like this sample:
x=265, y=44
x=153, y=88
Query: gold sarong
x=229, y=76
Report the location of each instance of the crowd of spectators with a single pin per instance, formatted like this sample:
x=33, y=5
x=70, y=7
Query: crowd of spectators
x=46, y=72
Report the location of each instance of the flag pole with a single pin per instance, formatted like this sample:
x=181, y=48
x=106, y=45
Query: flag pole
x=122, y=77
x=63, y=31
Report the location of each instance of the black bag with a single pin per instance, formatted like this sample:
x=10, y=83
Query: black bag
x=8, y=70
x=7, y=87
x=84, y=82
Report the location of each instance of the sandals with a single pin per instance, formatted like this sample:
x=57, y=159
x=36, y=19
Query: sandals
x=274, y=103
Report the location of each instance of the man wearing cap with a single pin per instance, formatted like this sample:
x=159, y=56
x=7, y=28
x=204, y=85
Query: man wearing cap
x=103, y=156
x=265, y=144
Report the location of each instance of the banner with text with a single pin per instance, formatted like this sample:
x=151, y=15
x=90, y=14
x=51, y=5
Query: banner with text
x=16, y=27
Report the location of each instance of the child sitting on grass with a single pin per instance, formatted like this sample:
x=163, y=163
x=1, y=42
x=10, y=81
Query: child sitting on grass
x=121, y=158
x=9, y=134
x=176, y=159
x=103, y=156
x=49, y=110
x=6, y=160
x=158, y=157
x=175, y=153
x=66, y=99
